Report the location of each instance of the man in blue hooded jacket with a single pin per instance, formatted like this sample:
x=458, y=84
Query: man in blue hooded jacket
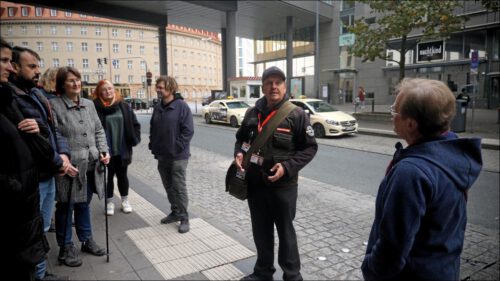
x=420, y=210
x=171, y=131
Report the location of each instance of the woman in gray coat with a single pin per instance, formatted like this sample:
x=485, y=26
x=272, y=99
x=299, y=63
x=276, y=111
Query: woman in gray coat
x=80, y=125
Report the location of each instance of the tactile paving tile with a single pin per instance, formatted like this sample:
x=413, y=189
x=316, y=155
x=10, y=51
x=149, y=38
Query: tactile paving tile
x=174, y=254
x=224, y=272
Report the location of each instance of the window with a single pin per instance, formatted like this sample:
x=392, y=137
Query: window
x=100, y=77
x=53, y=30
x=24, y=29
x=85, y=63
x=98, y=47
x=41, y=63
x=129, y=49
x=141, y=34
x=24, y=11
x=69, y=46
x=68, y=30
x=115, y=48
x=83, y=30
x=157, y=66
x=116, y=64
x=53, y=13
x=85, y=47
x=83, y=15
x=11, y=11
x=98, y=31
x=130, y=79
x=55, y=47
x=38, y=29
x=71, y=62
x=38, y=11
x=143, y=64
x=141, y=50
x=117, y=78
x=55, y=62
x=9, y=30
x=128, y=33
x=24, y=44
x=67, y=14
x=86, y=77
x=155, y=50
x=114, y=32
x=39, y=46
x=129, y=64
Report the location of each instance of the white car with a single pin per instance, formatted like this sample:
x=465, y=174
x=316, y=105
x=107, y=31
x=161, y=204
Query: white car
x=326, y=120
x=229, y=111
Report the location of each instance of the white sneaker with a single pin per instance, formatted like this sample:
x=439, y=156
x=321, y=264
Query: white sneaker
x=110, y=209
x=126, y=208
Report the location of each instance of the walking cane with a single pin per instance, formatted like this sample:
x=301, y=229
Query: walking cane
x=103, y=167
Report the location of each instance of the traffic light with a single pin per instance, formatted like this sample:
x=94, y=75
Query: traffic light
x=99, y=61
x=105, y=61
x=144, y=85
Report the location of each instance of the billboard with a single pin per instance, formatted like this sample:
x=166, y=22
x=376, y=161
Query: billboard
x=430, y=51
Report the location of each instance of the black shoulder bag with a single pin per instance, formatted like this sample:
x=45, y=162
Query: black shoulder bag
x=236, y=183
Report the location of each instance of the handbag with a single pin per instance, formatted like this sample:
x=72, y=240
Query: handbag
x=236, y=184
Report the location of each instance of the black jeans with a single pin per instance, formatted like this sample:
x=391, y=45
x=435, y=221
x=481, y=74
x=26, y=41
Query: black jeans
x=116, y=167
x=268, y=207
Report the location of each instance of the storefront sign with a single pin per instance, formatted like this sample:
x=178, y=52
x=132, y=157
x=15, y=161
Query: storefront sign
x=430, y=51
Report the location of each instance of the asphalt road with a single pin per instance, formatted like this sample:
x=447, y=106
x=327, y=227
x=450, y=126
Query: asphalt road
x=356, y=168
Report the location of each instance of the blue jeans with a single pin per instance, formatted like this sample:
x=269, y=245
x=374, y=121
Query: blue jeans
x=83, y=226
x=47, y=191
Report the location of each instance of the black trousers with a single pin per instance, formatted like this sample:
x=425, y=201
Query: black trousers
x=116, y=167
x=268, y=207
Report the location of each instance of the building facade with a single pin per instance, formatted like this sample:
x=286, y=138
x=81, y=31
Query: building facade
x=120, y=51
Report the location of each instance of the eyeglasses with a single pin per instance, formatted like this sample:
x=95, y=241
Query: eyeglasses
x=392, y=110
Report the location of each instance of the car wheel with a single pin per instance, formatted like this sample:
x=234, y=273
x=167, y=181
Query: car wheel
x=319, y=130
x=233, y=121
x=207, y=119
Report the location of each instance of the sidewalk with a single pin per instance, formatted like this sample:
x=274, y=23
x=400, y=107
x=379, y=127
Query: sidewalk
x=332, y=227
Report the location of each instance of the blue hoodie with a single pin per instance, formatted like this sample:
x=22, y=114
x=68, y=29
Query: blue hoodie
x=420, y=211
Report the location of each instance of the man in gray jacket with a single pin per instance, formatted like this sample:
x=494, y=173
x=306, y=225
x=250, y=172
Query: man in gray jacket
x=171, y=131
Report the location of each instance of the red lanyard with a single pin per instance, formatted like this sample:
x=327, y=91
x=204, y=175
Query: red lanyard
x=260, y=126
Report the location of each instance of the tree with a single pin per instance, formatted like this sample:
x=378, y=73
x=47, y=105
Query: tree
x=394, y=22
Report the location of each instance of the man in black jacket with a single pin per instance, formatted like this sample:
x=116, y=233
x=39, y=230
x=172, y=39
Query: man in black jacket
x=272, y=176
x=25, y=244
x=39, y=119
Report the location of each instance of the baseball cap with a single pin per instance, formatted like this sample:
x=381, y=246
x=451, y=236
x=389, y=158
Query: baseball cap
x=273, y=70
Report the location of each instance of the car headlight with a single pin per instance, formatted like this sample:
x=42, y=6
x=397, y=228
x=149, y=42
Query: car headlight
x=332, y=122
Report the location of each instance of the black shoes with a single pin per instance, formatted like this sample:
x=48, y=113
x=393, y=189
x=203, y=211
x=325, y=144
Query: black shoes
x=68, y=256
x=184, y=226
x=172, y=217
x=91, y=247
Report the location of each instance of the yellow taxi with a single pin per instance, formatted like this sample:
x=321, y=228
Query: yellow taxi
x=229, y=111
x=326, y=120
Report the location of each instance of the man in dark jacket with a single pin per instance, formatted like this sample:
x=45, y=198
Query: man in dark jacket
x=25, y=244
x=272, y=176
x=171, y=130
x=420, y=210
x=37, y=113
